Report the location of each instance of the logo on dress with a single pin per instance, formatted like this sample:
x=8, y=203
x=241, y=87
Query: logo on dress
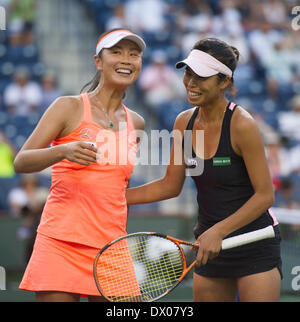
x=85, y=134
x=221, y=161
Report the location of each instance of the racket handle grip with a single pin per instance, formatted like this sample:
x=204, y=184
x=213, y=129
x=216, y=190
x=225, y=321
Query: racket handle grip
x=247, y=238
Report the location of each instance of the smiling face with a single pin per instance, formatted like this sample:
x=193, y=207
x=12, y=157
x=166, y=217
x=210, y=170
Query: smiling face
x=121, y=64
x=202, y=90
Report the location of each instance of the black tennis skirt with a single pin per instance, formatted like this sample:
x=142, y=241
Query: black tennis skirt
x=257, y=257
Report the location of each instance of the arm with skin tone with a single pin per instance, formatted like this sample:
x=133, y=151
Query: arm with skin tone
x=167, y=187
x=171, y=184
x=247, y=142
x=138, y=122
x=35, y=155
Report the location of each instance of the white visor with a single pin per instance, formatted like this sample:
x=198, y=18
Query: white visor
x=204, y=64
x=114, y=37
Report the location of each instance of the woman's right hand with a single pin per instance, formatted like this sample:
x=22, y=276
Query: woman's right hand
x=209, y=244
x=80, y=152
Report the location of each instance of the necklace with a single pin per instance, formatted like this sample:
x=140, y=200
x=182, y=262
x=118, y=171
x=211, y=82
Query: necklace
x=110, y=123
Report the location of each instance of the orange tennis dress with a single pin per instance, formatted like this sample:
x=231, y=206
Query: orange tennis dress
x=86, y=208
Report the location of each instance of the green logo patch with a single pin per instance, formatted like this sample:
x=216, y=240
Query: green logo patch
x=221, y=161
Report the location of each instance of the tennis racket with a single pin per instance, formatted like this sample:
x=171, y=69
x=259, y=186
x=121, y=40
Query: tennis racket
x=145, y=266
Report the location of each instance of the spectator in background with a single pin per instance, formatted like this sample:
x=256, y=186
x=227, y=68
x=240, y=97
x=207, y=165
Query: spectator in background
x=23, y=12
x=245, y=9
x=229, y=26
x=274, y=12
x=117, y=19
x=195, y=17
x=7, y=154
x=229, y=21
x=279, y=65
x=50, y=90
x=194, y=22
x=15, y=33
x=262, y=40
x=159, y=82
x=285, y=197
x=27, y=202
x=22, y=96
x=289, y=122
x=26, y=196
x=278, y=157
x=146, y=16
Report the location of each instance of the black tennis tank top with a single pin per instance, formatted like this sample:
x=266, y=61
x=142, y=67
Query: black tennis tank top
x=224, y=185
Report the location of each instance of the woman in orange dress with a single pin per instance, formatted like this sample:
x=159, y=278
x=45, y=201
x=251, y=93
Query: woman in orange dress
x=86, y=207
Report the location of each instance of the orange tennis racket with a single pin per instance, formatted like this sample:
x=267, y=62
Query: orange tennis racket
x=145, y=266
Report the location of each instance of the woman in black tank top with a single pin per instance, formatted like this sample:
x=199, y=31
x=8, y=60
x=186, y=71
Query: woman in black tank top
x=234, y=186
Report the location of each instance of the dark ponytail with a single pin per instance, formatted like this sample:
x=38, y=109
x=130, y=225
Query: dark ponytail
x=228, y=55
x=93, y=83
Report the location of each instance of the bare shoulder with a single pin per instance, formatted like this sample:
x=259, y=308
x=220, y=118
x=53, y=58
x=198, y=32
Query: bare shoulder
x=54, y=123
x=137, y=119
x=245, y=133
x=65, y=112
x=242, y=121
x=183, y=118
x=66, y=103
x=65, y=108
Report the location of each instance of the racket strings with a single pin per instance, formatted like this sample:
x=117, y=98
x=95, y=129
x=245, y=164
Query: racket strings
x=138, y=268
